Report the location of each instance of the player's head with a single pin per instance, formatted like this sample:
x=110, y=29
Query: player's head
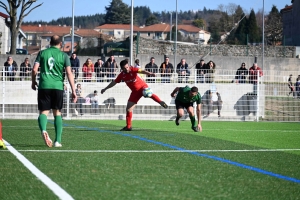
x=124, y=66
x=194, y=91
x=55, y=40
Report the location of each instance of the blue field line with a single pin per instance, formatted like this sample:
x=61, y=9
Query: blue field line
x=195, y=153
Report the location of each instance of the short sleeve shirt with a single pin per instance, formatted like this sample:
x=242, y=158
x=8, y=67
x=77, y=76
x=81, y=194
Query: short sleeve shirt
x=184, y=96
x=52, y=63
x=132, y=80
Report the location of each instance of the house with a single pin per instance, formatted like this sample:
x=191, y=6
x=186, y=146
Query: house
x=5, y=37
x=118, y=31
x=155, y=31
x=39, y=36
x=290, y=21
x=198, y=35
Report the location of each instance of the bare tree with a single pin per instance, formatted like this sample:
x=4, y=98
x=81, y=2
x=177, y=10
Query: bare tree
x=15, y=20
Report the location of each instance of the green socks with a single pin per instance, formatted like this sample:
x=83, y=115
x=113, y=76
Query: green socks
x=58, y=127
x=43, y=120
x=193, y=120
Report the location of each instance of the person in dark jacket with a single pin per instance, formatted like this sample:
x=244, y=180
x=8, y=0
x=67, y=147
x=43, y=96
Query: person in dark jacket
x=75, y=64
x=99, y=69
x=200, y=71
x=10, y=68
x=151, y=67
x=241, y=74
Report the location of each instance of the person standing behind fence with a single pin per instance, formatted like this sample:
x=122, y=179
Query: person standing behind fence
x=99, y=70
x=209, y=72
x=241, y=74
x=25, y=69
x=111, y=67
x=254, y=71
x=153, y=68
x=182, y=71
x=52, y=63
x=297, y=86
x=87, y=69
x=10, y=68
x=75, y=64
x=166, y=69
x=200, y=67
x=291, y=86
x=95, y=102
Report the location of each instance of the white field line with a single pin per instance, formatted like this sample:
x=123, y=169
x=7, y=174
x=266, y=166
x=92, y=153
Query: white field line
x=162, y=128
x=158, y=151
x=56, y=189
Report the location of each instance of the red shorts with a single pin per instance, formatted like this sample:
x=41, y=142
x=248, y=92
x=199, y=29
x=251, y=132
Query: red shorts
x=136, y=95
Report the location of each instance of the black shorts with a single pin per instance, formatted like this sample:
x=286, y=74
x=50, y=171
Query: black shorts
x=182, y=105
x=50, y=99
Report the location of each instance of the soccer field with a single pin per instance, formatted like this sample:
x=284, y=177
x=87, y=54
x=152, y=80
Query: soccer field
x=157, y=160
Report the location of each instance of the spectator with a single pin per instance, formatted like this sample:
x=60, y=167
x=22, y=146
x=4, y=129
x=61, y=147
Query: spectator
x=99, y=70
x=290, y=85
x=166, y=69
x=241, y=74
x=210, y=99
x=95, y=102
x=25, y=69
x=137, y=63
x=75, y=64
x=209, y=72
x=182, y=71
x=200, y=67
x=153, y=68
x=10, y=68
x=254, y=71
x=297, y=86
x=88, y=69
x=111, y=67
x=65, y=100
x=80, y=99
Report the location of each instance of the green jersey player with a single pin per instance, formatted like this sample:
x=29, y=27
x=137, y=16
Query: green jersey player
x=185, y=98
x=52, y=63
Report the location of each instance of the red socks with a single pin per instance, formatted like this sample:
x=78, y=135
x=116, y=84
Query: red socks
x=155, y=98
x=128, y=119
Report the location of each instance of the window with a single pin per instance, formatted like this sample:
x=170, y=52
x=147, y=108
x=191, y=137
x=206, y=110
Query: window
x=148, y=34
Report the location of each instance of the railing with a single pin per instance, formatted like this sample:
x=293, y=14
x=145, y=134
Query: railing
x=271, y=99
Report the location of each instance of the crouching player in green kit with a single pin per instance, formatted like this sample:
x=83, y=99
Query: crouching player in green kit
x=185, y=98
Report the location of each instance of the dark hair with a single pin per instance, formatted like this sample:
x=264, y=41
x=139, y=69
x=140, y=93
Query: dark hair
x=152, y=58
x=194, y=89
x=137, y=61
x=55, y=40
x=123, y=63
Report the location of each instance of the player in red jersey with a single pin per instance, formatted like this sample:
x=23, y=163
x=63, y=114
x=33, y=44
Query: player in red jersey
x=130, y=76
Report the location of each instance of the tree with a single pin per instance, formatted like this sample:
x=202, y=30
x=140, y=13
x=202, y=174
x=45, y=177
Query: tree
x=117, y=13
x=151, y=20
x=273, y=28
x=15, y=21
x=241, y=31
x=199, y=23
x=253, y=31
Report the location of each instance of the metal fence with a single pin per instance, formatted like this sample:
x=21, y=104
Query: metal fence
x=270, y=99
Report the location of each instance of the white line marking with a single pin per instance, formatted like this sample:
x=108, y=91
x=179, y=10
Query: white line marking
x=160, y=151
x=57, y=190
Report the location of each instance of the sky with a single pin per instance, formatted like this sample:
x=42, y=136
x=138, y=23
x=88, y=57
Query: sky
x=53, y=9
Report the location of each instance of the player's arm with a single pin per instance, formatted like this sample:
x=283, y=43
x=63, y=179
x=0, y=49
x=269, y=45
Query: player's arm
x=34, y=72
x=175, y=91
x=110, y=85
x=146, y=72
x=71, y=81
x=198, y=110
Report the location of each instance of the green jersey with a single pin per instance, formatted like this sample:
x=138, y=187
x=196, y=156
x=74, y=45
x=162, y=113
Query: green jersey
x=52, y=63
x=184, y=96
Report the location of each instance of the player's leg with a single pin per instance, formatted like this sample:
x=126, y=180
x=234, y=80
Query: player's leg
x=57, y=103
x=158, y=100
x=180, y=111
x=44, y=106
x=132, y=101
x=190, y=110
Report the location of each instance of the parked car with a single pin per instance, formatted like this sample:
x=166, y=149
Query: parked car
x=20, y=51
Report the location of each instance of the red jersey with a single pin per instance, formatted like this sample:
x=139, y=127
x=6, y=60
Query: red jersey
x=132, y=80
